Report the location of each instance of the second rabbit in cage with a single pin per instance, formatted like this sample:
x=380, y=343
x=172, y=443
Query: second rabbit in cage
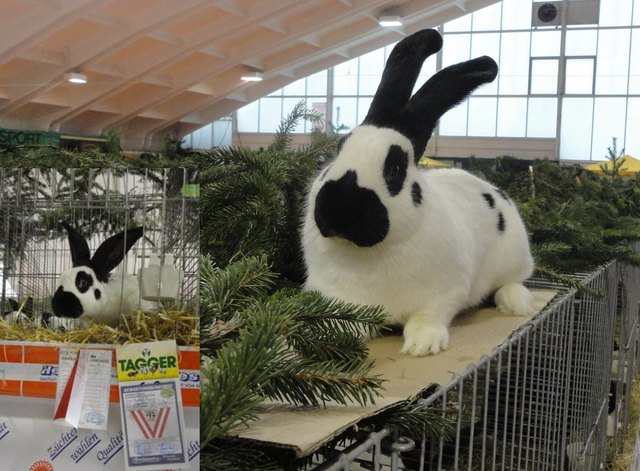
x=89, y=290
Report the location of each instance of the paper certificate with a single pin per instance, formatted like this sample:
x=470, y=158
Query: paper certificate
x=153, y=425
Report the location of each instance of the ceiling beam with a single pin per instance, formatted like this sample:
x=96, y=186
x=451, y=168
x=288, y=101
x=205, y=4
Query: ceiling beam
x=247, y=54
x=265, y=13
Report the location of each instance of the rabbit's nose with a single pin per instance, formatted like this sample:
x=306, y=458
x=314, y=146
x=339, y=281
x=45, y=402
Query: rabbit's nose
x=344, y=209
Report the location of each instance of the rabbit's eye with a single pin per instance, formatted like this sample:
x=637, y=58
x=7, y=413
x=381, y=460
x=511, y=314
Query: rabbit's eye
x=395, y=169
x=83, y=281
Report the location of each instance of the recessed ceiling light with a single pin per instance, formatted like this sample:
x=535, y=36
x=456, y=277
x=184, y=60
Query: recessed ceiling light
x=389, y=20
x=254, y=76
x=75, y=77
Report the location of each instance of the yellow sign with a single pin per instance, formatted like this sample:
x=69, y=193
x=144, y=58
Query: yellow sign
x=150, y=360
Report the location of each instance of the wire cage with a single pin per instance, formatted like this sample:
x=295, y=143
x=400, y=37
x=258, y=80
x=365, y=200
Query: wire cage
x=555, y=396
x=99, y=203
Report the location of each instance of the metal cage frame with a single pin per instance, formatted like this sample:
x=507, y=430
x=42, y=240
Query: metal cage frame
x=99, y=202
x=554, y=396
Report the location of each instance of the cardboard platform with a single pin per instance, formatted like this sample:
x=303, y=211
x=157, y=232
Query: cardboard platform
x=472, y=336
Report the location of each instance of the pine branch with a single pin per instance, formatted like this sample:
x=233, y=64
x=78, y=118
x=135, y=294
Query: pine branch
x=300, y=112
x=309, y=383
x=225, y=293
x=232, y=380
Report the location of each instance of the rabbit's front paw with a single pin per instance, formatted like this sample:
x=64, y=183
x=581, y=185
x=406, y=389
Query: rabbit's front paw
x=422, y=338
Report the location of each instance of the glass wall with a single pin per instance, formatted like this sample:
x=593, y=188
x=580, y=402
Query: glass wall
x=590, y=78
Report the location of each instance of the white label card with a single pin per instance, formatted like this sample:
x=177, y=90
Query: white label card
x=153, y=425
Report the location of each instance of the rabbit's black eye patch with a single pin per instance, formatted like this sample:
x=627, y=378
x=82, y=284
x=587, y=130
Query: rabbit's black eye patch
x=83, y=281
x=395, y=169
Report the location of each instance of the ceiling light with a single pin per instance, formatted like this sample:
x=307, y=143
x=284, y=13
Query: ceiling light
x=75, y=77
x=389, y=20
x=254, y=76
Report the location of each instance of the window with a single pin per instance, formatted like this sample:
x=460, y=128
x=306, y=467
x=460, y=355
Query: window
x=297, y=88
x=542, y=117
x=317, y=84
x=247, y=117
x=482, y=116
x=634, y=69
x=632, y=140
x=579, y=76
x=345, y=114
x=516, y=14
x=613, y=61
x=514, y=64
x=545, y=43
x=456, y=48
x=345, y=78
x=454, y=121
x=487, y=19
x=486, y=44
x=371, y=67
x=581, y=42
x=544, y=77
x=609, y=117
x=512, y=117
x=575, y=142
x=270, y=114
x=616, y=12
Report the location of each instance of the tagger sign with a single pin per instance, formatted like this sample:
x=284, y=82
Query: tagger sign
x=151, y=406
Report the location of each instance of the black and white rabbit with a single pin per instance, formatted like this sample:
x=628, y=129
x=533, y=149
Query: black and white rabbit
x=23, y=314
x=89, y=290
x=423, y=244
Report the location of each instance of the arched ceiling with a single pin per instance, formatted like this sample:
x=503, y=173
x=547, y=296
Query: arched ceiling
x=159, y=66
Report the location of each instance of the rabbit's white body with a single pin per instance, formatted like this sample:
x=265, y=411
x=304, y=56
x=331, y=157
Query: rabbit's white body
x=451, y=271
x=439, y=257
x=120, y=295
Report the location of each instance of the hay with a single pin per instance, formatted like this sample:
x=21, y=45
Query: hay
x=138, y=326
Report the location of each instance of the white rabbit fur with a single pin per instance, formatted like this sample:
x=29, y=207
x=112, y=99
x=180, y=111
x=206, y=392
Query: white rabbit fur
x=427, y=245
x=439, y=258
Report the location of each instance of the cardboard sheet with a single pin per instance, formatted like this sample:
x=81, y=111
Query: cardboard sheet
x=472, y=335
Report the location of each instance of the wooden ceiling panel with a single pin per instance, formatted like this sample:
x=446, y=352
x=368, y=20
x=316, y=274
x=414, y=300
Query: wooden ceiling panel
x=79, y=31
x=156, y=66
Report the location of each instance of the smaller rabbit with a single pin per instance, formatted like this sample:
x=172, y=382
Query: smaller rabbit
x=89, y=290
x=19, y=314
x=25, y=316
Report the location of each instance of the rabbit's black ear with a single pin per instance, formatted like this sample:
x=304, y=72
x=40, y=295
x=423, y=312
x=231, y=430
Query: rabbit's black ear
x=112, y=251
x=400, y=75
x=28, y=307
x=80, y=254
x=15, y=305
x=439, y=94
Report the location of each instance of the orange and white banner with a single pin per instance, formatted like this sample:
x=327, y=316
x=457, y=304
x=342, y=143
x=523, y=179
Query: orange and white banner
x=30, y=369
